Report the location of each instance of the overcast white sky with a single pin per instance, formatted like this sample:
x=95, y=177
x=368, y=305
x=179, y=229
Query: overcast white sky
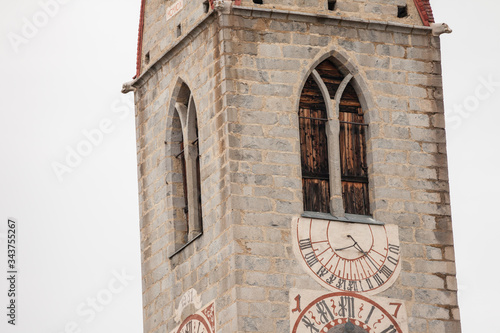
x=79, y=237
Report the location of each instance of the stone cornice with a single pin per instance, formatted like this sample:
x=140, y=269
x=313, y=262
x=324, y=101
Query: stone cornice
x=281, y=14
x=330, y=19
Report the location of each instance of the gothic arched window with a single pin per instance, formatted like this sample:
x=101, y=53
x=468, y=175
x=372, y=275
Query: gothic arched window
x=185, y=182
x=333, y=144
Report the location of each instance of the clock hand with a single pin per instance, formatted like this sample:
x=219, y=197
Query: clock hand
x=368, y=257
x=357, y=247
x=344, y=248
x=347, y=247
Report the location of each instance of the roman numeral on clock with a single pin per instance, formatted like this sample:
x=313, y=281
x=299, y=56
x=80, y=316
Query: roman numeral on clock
x=378, y=279
x=369, y=315
x=346, y=306
x=331, y=279
x=394, y=249
x=305, y=244
x=389, y=329
x=352, y=286
x=369, y=283
x=309, y=324
x=341, y=284
x=189, y=327
x=325, y=314
x=392, y=260
x=386, y=271
x=322, y=271
x=311, y=259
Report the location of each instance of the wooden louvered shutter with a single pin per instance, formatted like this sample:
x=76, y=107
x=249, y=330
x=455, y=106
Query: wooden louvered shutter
x=354, y=170
x=314, y=149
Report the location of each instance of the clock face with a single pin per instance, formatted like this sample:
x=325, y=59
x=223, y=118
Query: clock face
x=345, y=312
x=357, y=257
x=202, y=321
x=194, y=324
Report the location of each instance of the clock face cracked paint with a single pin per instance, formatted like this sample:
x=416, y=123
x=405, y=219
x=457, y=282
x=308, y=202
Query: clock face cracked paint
x=201, y=322
x=345, y=312
x=341, y=256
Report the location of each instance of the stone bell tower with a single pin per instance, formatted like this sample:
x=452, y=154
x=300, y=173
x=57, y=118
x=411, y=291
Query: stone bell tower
x=292, y=167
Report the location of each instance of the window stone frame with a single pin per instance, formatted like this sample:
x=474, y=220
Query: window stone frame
x=182, y=230
x=351, y=76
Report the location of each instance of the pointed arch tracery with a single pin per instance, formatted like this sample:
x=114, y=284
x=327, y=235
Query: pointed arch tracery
x=183, y=164
x=333, y=144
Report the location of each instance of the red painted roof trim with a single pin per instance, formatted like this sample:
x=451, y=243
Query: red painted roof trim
x=425, y=11
x=139, y=42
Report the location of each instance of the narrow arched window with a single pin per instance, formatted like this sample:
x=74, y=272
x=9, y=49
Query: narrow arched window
x=332, y=144
x=185, y=183
x=354, y=169
x=314, y=149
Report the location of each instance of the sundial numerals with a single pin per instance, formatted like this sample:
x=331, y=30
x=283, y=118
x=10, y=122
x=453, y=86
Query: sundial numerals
x=348, y=256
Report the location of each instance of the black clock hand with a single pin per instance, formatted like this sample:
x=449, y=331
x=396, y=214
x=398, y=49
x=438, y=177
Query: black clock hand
x=357, y=247
x=370, y=259
x=347, y=247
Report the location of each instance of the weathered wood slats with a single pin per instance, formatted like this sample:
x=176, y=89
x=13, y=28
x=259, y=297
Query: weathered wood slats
x=330, y=75
x=314, y=156
x=316, y=194
x=354, y=170
x=314, y=149
x=311, y=97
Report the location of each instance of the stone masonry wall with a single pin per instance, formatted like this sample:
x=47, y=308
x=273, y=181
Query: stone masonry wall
x=398, y=75
x=204, y=264
x=159, y=33
x=379, y=10
x=246, y=71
